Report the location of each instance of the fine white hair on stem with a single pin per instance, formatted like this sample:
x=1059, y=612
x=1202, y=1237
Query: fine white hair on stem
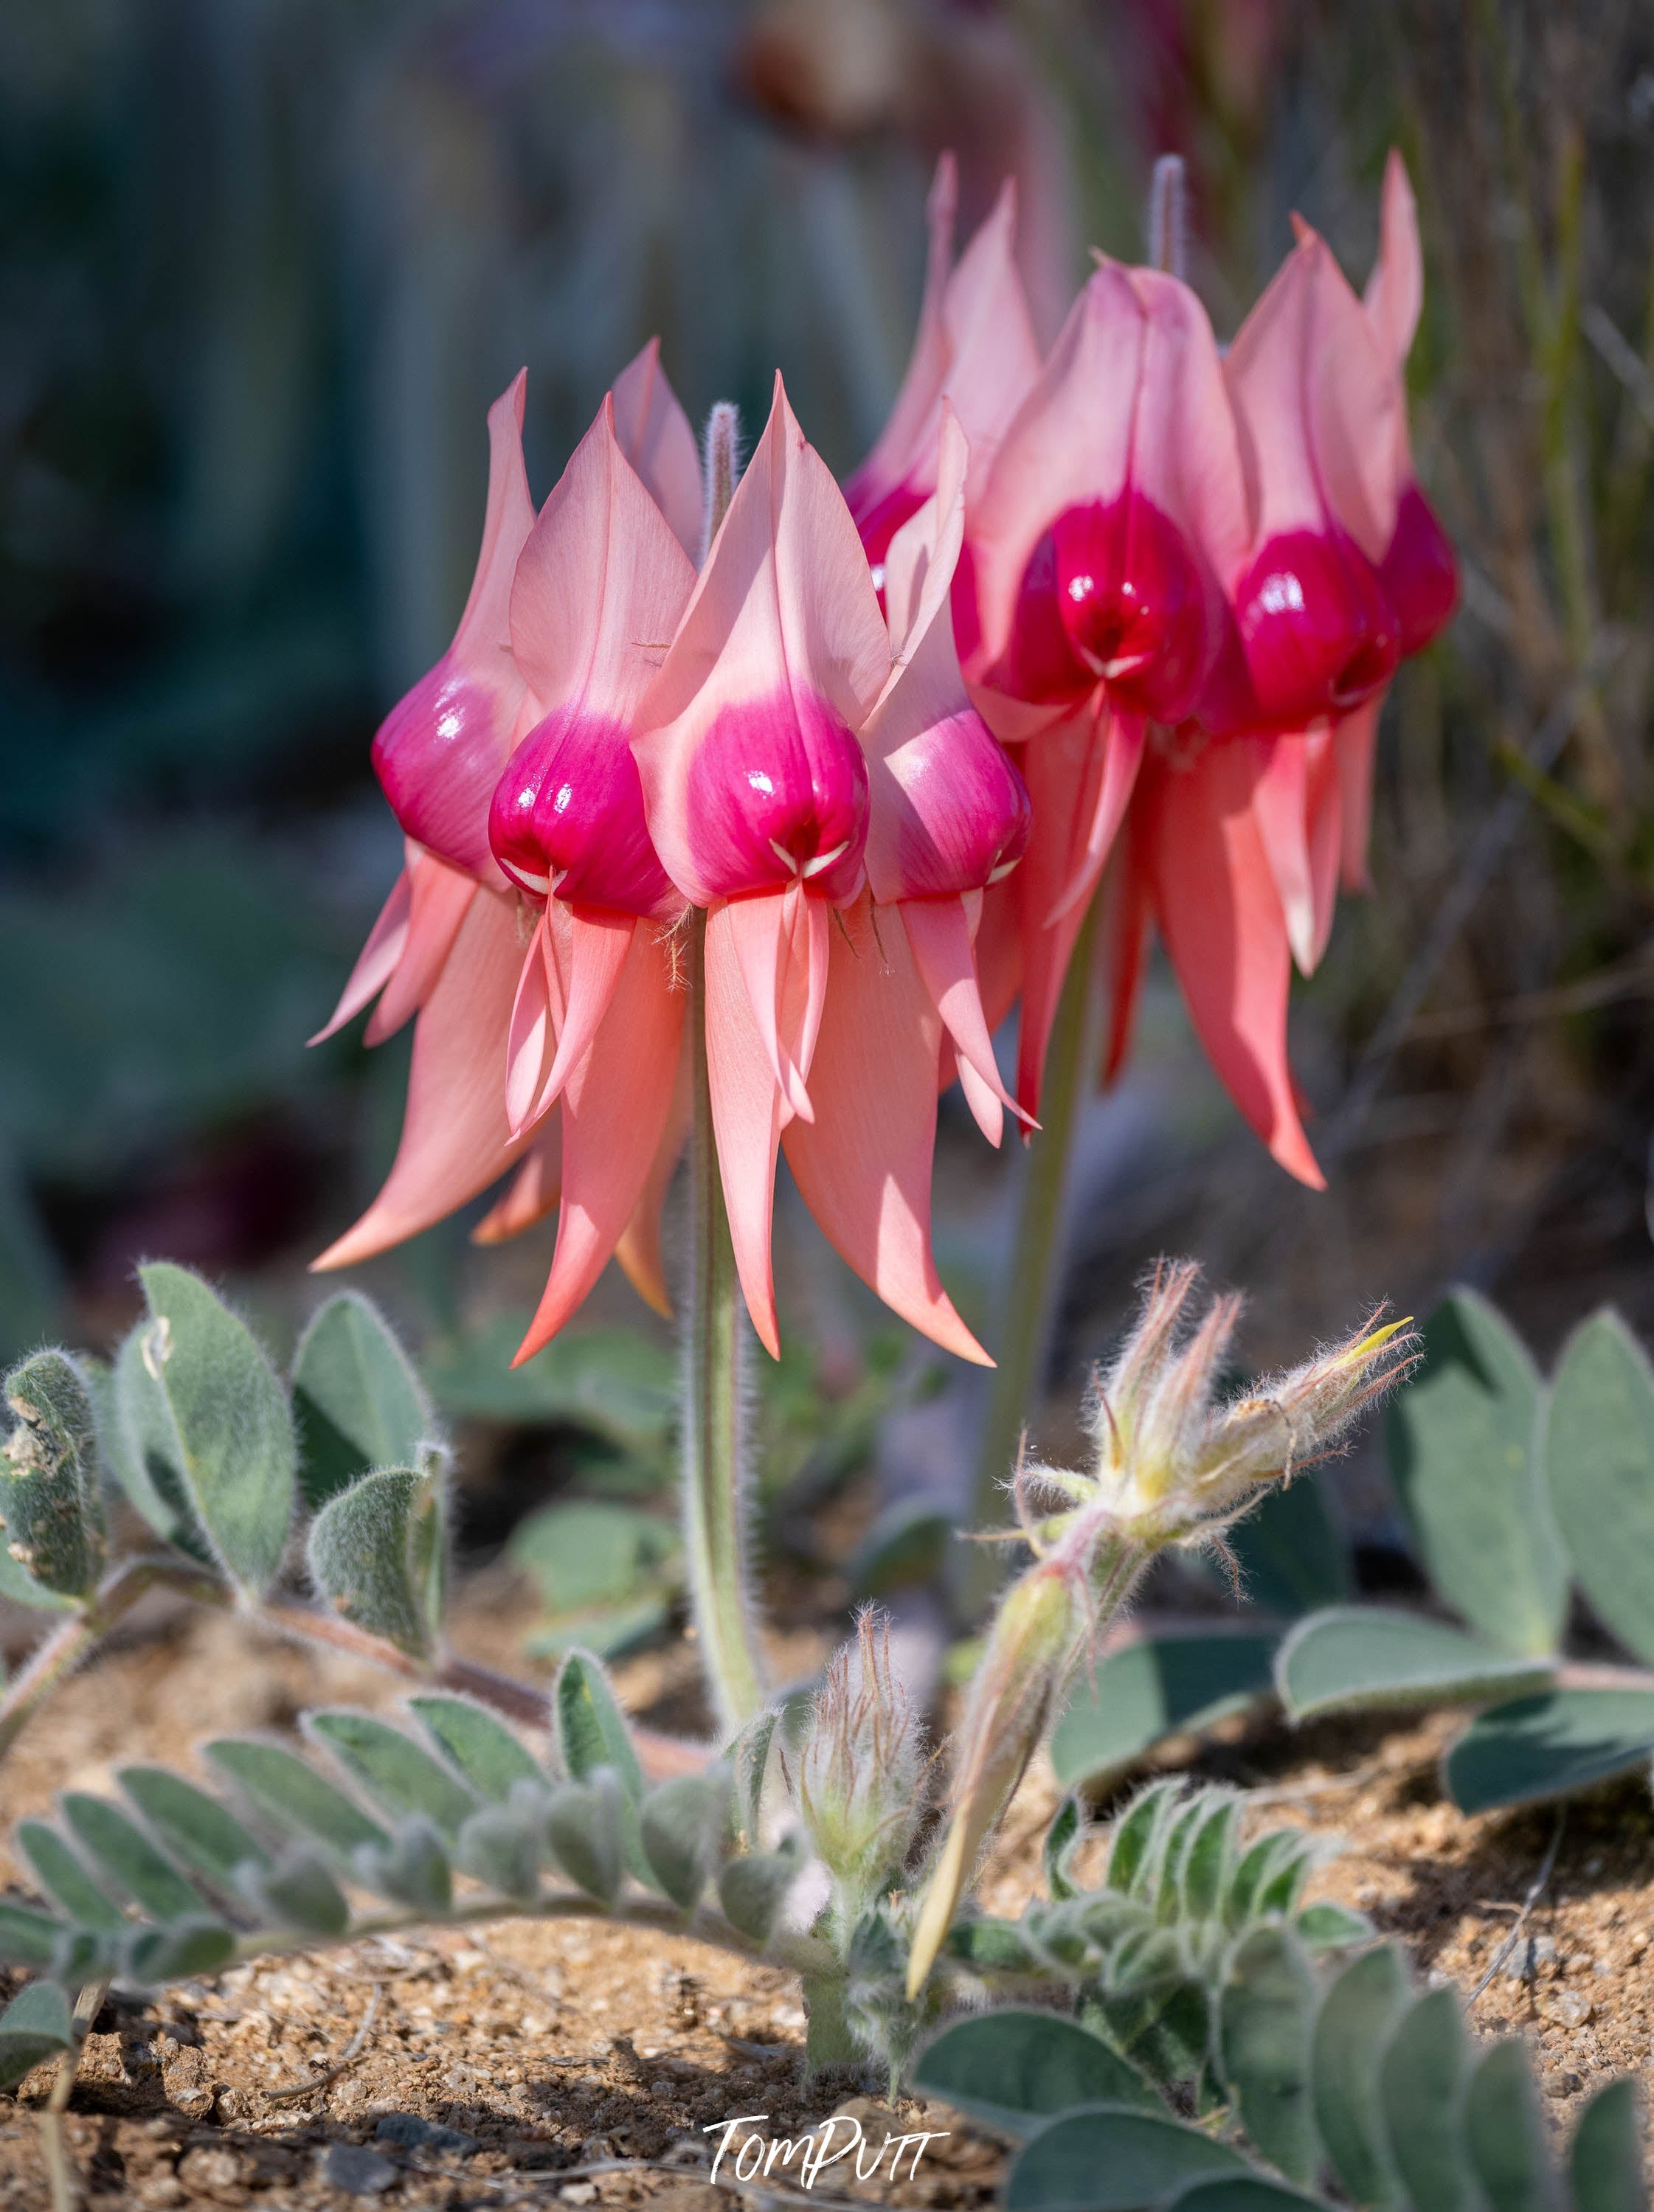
x=720, y=468
x=1168, y=216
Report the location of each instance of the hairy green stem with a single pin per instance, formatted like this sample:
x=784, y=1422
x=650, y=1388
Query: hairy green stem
x=715, y=1532
x=1030, y=1301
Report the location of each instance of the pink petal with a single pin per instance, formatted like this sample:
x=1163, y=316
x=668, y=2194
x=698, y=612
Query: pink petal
x=1220, y=916
x=786, y=1007
x=1127, y=914
x=939, y=937
x=439, y=898
x=1355, y=744
x=747, y=1110
x=655, y=437
x=900, y=442
x=536, y=1017
x=1326, y=833
x=947, y=813
x=615, y=1112
x=533, y=1191
x=639, y=1250
x=438, y=751
x=864, y=1166
x=455, y=1140
x=1280, y=809
x=995, y=354
x=1066, y=771
x=1395, y=296
x=376, y=962
x=752, y=777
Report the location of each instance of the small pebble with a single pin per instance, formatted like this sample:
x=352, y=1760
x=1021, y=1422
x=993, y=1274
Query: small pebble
x=357, y=2171
x=413, y=2133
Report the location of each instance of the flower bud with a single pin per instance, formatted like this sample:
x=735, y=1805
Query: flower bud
x=861, y=1786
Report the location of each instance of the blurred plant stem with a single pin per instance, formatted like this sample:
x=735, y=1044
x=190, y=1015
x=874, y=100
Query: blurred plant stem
x=715, y=1530
x=1035, y=1267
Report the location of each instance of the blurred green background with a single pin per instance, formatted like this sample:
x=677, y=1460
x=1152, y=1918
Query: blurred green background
x=265, y=263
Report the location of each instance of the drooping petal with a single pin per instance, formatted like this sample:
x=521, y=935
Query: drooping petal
x=1295, y=802
x=1127, y=915
x=1355, y=744
x=455, y=1140
x=533, y=1191
x=940, y=939
x=655, y=437
x=947, y=811
x=1106, y=528
x=536, y=1017
x=376, y=962
x=1394, y=298
x=615, y=1110
x=438, y=898
x=747, y=1118
x=1220, y=916
x=752, y=776
x=438, y=751
x=639, y=1250
x=781, y=942
x=864, y=1164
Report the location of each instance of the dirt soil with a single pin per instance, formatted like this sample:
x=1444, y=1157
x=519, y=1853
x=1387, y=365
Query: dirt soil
x=581, y=2065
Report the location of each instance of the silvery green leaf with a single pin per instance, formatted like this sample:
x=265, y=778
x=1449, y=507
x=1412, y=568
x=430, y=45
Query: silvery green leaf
x=749, y=1757
x=412, y=1870
x=1355, y=2019
x=298, y=1892
x=150, y=1956
x=141, y=1448
x=36, y=2025
x=490, y=1757
x=1113, y=2159
x=401, y=1777
x=195, y=1826
x=27, y=1938
x=358, y=1403
x=62, y=1873
x=582, y=1825
x=50, y=1501
x=1263, y=2034
x=378, y=1554
x=293, y=1796
x=753, y=1889
x=591, y=1731
x=1421, y=2083
x=1014, y=2068
x=502, y=1847
x=685, y=1823
x=233, y=1429
x=1503, y=2133
x=129, y=1857
x=1605, y=2160
x=1061, y=1839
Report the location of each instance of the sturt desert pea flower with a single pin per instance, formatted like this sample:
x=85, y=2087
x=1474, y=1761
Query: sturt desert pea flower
x=1093, y=604
x=975, y=349
x=819, y=1023
x=595, y=588
x=863, y=1771
x=1174, y=1464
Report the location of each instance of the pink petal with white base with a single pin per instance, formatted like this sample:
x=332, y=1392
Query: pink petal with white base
x=1295, y=803
x=1220, y=916
x=655, y=437
x=752, y=776
x=455, y=1140
x=864, y=1166
x=615, y=1111
x=438, y=751
x=781, y=941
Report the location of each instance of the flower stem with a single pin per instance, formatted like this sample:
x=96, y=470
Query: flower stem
x=714, y=1533
x=1035, y=1267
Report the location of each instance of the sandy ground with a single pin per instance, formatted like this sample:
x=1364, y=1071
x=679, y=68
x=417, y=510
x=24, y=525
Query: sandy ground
x=556, y=2050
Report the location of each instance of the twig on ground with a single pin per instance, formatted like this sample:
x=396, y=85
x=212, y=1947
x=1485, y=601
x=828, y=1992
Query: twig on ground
x=1540, y=1882
x=346, y=2058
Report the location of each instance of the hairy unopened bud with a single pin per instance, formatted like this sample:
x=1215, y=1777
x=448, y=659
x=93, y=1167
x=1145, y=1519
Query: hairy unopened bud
x=861, y=1785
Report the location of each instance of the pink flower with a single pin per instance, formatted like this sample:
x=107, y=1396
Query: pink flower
x=774, y=745
x=975, y=349
x=558, y=1045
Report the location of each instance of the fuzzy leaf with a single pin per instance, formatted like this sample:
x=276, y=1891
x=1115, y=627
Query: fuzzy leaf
x=1503, y=2133
x=684, y=1824
x=1013, y=2069
x=486, y=1751
x=128, y=1856
x=1365, y=1656
x=1263, y=2035
x=403, y=1780
x=234, y=1431
x=1290, y=1552
x=1357, y=2016
x=1605, y=2160
x=1422, y=2091
x=591, y=1731
x=141, y=1449
x=27, y=1938
x=1107, y=2158
x=412, y=1870
x=1135, y=1841
x=1163, y=1686
x=378, y=1554
x=1329, y=1927
x=1251, y=2192
x=190, y=1823
x=151, y=1956
x=298, y=1892
x=50, y=1503
x=1464, y=1457
x=35, y=2026
x=752, y=1890
x=591, y=1552
x=1208, y=1864
x=500, y=1846
x=1061, y=1840
x=1599, y=1462
x=293, y=1796
x=357, y=1400
x=1545, y=1747
x=62, y=1873
x=582, y=1825
x=748, y=1757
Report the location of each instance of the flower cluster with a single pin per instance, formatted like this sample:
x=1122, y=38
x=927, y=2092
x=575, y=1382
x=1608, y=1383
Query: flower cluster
x=864, y=753
x=1174, y=1464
